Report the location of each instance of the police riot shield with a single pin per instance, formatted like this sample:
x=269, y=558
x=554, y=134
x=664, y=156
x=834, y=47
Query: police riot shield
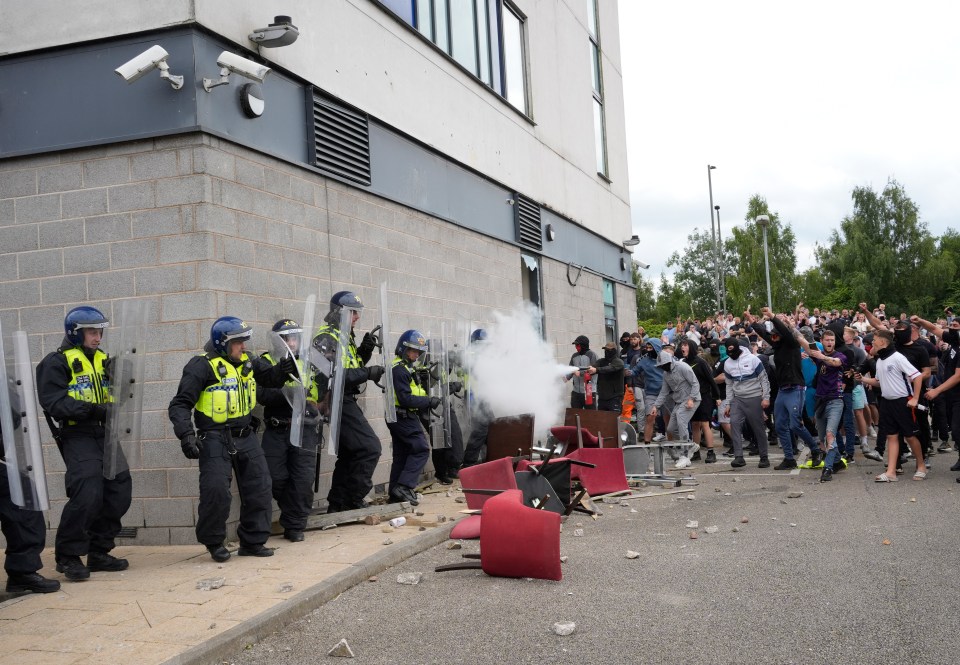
x=21, y=430
x=440, y=387
x=331, y=355
x=293, y=390
x=386, y=357
x=126, y=375
x=461, y=358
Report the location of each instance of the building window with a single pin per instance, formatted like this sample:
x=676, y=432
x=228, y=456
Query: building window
x=485, y=37
x=609, y=311
x=599, y=121
x=532, y=291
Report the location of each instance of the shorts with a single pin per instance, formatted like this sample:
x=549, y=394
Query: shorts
x=721, y=410
x=898, y=418
x=704, y=412
x=859, y=398
x=871, y=396
x=648, y=401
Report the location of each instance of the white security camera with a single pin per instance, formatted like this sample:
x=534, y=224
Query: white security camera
x=641, y=264
x=154, y=57
x=231, y=62
x=282, y=32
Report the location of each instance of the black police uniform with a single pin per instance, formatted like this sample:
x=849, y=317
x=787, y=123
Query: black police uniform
x=410, y=447
x=24, y=530
x=292, y=468
x=358, y=449
x=91, y=518
x=228, y=446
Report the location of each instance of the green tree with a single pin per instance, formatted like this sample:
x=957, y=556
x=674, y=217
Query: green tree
x=695, y=273
x=746, y=277
x=671, y=301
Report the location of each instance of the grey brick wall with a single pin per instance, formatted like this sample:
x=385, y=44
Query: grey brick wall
x=200, y=228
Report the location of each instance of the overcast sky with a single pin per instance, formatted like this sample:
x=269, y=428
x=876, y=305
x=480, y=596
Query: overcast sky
x=797, y=102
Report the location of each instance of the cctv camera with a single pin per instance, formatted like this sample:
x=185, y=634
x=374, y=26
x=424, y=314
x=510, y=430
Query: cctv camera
x=282, y=32
x=231, y=62
x=642, y=265
x=154, y=57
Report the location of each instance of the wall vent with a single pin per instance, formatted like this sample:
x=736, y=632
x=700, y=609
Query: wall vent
x=529, y=227
x=341, y=140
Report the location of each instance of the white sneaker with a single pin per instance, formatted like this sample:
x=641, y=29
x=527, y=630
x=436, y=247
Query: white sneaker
x=873, y=431
x=659, y=437
x=682, y=463
x=874, y=455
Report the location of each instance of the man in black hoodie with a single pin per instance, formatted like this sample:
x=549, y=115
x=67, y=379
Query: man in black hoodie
x=789, y=403
x=610, y=386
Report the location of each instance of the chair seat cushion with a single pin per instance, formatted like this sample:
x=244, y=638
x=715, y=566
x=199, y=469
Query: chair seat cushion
x=466, y=529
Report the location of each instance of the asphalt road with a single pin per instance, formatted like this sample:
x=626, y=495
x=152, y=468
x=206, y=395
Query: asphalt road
x=805, y=580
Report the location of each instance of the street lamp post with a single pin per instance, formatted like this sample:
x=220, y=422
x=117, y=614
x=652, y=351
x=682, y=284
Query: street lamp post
x=713, y=233
x=764, y=222
x=720, y=266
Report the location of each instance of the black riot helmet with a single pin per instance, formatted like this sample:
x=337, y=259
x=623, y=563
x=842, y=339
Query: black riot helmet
x=338, y=301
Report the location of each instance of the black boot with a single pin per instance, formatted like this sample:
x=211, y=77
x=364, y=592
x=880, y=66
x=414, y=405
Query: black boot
x=72, y=568
x=106, y=562
x=711, y=456
x=293, y=535
x=738, y=462
x=19, y=582
x=254, y=550
x=218, y=553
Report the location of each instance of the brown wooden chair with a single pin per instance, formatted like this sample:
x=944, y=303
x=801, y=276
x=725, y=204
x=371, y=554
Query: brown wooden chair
x=510, y=437
x=603, y=424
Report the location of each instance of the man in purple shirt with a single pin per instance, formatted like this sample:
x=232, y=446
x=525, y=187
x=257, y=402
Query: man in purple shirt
x=829, y=399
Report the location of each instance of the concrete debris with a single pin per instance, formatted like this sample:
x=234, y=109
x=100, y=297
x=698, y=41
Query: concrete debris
x=793, y=524
x=286, y=587
x=441, y=519
x=773, y=519
x=736, y=480
x=328, y=527
x=625, y=504
x=578, y=532
x=419, y=513
x=460, y=499
x=633, y=555
x=386, y=528
x=563, y=559
x=913, y=499
x=744, y=520
x=736, y=529
x=409, y=578
x=578, y=524
x=611, y=499
x=727, y=494
x=795, y=495
x=388, y=541
x=886, y=541
x=564, y=628
x=213, y=625
x=694, y=535
x=716, y=489
x=691, y=497
x=422, y=528
x=692, y=524
x=711, y=529
x=341, y=650
x=783, y=501
x=373, y=578
x=210, y=583
x=454, y=545
x=448, y=494
x=633, y=510
x=371, y=520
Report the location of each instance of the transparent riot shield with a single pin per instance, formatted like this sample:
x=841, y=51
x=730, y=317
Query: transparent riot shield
x=462, y=358
x=386, y=357
x=126, y=381
x=440, y=387
x=331, y=354
x=293, y=390
x=21, y=430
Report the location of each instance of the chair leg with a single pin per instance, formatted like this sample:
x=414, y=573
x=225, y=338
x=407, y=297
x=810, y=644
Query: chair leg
x=463, y=565
x=576, y=502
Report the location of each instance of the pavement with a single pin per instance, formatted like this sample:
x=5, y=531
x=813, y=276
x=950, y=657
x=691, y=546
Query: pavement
x=153, y=613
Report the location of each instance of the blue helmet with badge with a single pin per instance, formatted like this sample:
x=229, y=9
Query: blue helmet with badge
x=411, y=339
x=478, y=335
x=82, y=317
x=226, y=329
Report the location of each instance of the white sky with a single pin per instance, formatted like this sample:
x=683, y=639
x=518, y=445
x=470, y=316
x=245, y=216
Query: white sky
x=797, y=102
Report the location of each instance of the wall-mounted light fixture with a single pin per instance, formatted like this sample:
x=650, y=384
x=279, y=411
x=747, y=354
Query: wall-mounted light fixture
x=231, y=62
x=282, y=32
x=550, y=232
x=154, y=57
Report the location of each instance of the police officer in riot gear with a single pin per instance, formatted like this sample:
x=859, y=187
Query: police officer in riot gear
x=292, y=468
x=358, y=449
x=410, y=447
x=475, y=452
x=219, y=390
x=26, y=534
x=73, y=385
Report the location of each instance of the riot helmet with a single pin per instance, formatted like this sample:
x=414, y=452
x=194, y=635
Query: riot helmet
x=288, y=329
x=478, y=335
x=226, y=329
x=411, y=339
x=82, y=317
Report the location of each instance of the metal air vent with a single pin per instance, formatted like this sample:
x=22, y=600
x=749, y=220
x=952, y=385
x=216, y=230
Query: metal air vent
x=341, y=144
x=527, y=216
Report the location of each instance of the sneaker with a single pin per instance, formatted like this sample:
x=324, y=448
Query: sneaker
x=254, y=550
x=711, y=457
x=35, y=582
x=873, y=431
x=753, y=450
x=826, y=476
x=106, y=562
x=218, y=553
x=839, y=465
x=72, y=568
x=659, y=437
x=873, y=454
x=682, y=463
x=786, y=464
x=945, y=447
x=815, y=461
x=728, y=452
x=764, y=463
x=926, y=462
x=695, y=457
x=738, y=462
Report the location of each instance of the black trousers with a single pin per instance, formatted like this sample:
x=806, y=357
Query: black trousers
x=24, y=530
x=476, y=451
x=292, y=471
x=91, y=518
x=358, y=453
x=578, y=401
x=410, y=451
x=217, y=467
x=448, y=460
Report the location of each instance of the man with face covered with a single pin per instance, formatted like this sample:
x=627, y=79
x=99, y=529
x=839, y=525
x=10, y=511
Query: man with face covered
x=582, y=359
x=652, y=378
x=609, y=371
x=950, y=387
x=748, y=392
x=681, y=389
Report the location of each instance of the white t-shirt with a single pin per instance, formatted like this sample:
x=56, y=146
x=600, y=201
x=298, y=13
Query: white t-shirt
x=860, y=326
x=896, y=376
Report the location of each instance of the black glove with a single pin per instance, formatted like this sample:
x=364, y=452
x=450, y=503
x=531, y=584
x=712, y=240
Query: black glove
x=368, y=343
x=375, y=373
x=100, y=412
x=454, y=386
x=434, y=402
x=190, y=446
x=289, y=366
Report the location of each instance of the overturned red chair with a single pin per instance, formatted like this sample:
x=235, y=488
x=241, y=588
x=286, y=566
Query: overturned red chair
x=515, y=540
x=607, y=474
x=567, y=436
x=496, y=475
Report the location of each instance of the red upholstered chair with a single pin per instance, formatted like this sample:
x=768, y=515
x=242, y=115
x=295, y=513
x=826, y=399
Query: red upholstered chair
x=516, y=540
x=606, y=476
x=496, y=475
x=567, y=435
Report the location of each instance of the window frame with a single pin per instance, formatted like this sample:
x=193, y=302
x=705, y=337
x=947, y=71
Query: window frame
x=601, y=154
